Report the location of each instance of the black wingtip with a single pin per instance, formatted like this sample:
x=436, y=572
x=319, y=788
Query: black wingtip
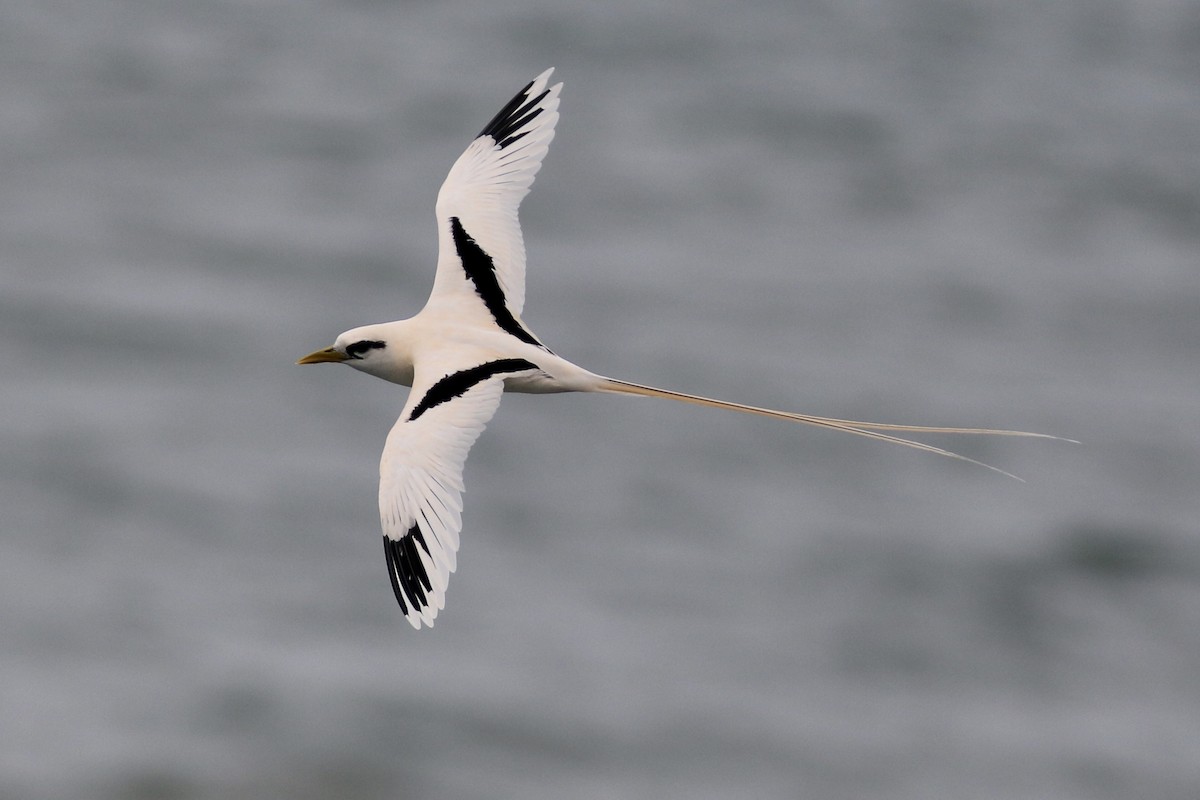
x=389, y=549
x=519, y=111
x=407, y=572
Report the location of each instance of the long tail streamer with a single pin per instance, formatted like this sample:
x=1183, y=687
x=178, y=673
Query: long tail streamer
x=871, y=430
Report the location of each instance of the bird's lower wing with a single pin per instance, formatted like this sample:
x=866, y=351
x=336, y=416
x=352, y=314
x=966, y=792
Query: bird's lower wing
x=421, y=478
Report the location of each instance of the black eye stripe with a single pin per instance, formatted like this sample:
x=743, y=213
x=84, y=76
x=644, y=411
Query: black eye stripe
x=357, y=349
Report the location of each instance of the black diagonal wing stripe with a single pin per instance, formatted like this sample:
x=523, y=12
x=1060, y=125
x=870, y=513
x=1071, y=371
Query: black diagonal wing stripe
x=481, y=271
x=456, y=384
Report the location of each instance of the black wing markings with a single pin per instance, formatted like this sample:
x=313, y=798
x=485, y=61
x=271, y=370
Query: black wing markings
x=407, y=571
x=512, y=117
x=456, y=384
x=481, y=271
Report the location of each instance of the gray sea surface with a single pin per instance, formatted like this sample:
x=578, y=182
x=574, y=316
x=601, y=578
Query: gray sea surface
x=949, y=212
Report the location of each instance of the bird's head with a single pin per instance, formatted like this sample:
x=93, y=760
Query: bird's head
x=373, y=349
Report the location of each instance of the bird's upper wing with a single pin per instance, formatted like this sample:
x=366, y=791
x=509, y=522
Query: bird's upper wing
x=480, y=248
x=421, y=476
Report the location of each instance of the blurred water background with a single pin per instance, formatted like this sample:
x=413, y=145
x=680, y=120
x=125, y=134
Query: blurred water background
x=953, y=212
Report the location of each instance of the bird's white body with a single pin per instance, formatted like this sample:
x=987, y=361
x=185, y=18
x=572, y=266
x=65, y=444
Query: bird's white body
x=435, y=336
x=469, y=344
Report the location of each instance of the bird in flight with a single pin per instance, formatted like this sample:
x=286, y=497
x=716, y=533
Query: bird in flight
x=469, y=344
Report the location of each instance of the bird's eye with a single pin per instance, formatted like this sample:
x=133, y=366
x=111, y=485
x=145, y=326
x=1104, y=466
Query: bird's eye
x=357, y=349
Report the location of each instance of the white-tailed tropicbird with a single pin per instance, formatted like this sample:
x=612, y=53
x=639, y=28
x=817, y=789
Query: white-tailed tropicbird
x=468, y=344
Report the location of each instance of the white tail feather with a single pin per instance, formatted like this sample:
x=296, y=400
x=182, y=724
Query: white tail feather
x=867, y=429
